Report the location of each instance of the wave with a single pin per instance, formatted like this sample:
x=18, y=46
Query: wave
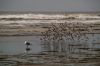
x=47, y=16
x=30, y=16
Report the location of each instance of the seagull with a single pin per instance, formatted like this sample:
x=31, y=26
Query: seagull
x=27, y=43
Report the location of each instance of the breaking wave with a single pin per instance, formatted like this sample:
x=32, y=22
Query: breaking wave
x=33, y=16
x=30, y=16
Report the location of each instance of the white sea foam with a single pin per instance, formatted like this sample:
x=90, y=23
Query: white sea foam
x=48, y=16
x=33, y=16
x=78, y=18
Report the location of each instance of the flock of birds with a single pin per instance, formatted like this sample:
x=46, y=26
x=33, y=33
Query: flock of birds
x=60, y=33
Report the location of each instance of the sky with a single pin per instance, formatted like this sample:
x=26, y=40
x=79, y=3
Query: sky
x=50, y=5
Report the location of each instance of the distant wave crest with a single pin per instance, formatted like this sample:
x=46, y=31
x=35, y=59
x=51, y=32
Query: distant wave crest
x=30, y=16
x=14, y=17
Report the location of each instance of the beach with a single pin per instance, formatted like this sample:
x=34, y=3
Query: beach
x=15, y=29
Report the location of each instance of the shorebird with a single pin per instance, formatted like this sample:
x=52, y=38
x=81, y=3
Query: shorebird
x=27, y=47
x=27, y=43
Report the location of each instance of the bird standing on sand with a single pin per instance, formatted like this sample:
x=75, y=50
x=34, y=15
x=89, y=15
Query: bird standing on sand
x=27, y=48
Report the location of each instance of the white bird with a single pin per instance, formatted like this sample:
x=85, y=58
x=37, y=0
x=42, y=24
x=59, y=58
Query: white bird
x=27, y=43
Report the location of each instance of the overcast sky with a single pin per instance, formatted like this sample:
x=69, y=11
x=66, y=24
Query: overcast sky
x=49, y=5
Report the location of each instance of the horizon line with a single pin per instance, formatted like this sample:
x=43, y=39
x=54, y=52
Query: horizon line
x=50, y=12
